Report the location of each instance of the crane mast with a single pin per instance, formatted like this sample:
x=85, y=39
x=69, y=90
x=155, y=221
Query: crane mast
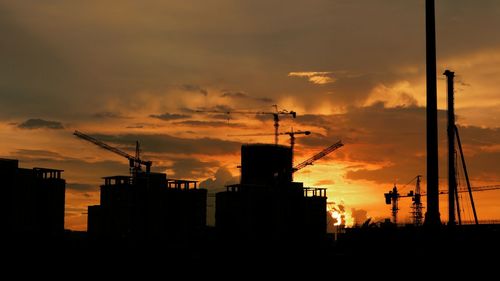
x=417, y=204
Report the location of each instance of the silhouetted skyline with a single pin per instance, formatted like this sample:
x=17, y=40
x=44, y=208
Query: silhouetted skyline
x=352, y=70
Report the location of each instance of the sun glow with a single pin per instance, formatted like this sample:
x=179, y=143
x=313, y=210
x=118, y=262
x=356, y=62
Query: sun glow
x=336, y=216
x=340, y=216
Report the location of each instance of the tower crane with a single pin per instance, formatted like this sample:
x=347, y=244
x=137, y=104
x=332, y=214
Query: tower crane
x=417, y=207
x=276, y=116
x=135, y=162
x=318, y=156
x=392, y=197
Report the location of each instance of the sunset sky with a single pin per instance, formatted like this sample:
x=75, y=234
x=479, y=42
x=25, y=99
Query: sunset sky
x=353, y=70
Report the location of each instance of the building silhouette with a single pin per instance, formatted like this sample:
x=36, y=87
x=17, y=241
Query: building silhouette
x=146, y=207
x=267, y=205
x=33, y=202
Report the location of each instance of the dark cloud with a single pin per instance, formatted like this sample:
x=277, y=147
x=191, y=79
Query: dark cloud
x=162, y=143
x=219, y=108
x=169, y=116
x=109, y=114
x=220, y=179
x=37, y=123
x=481, y=116
x=196, y=123
x=144, y=125
x=234, y=95
x=32, y=73
x=359, y=216
x=220, y=116
x=478, y=136
x=136, y=126
x=71, y=74
x=265, y=100
x=218, y=112
x=241, y=95
x=194, y=88
x=316, y=120
x=482, y=166
x=191, y=168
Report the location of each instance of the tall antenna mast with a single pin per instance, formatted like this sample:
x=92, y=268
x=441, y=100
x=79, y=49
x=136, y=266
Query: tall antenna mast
x=432, y=217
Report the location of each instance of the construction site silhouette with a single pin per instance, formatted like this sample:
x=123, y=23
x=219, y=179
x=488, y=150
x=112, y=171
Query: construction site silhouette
x=266, y=217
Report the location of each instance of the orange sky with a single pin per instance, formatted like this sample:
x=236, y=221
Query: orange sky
x=352, y=70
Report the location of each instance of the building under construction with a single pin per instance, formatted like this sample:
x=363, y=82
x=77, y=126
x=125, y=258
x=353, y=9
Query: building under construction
x=145, y=206
x=33, y=200
x=148, y=206
x=267, y=205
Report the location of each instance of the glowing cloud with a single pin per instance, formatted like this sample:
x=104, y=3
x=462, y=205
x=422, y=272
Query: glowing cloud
x=315, y=77
x=337, y=217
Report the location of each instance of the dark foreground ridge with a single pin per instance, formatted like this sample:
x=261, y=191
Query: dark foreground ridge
x=399, y=246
